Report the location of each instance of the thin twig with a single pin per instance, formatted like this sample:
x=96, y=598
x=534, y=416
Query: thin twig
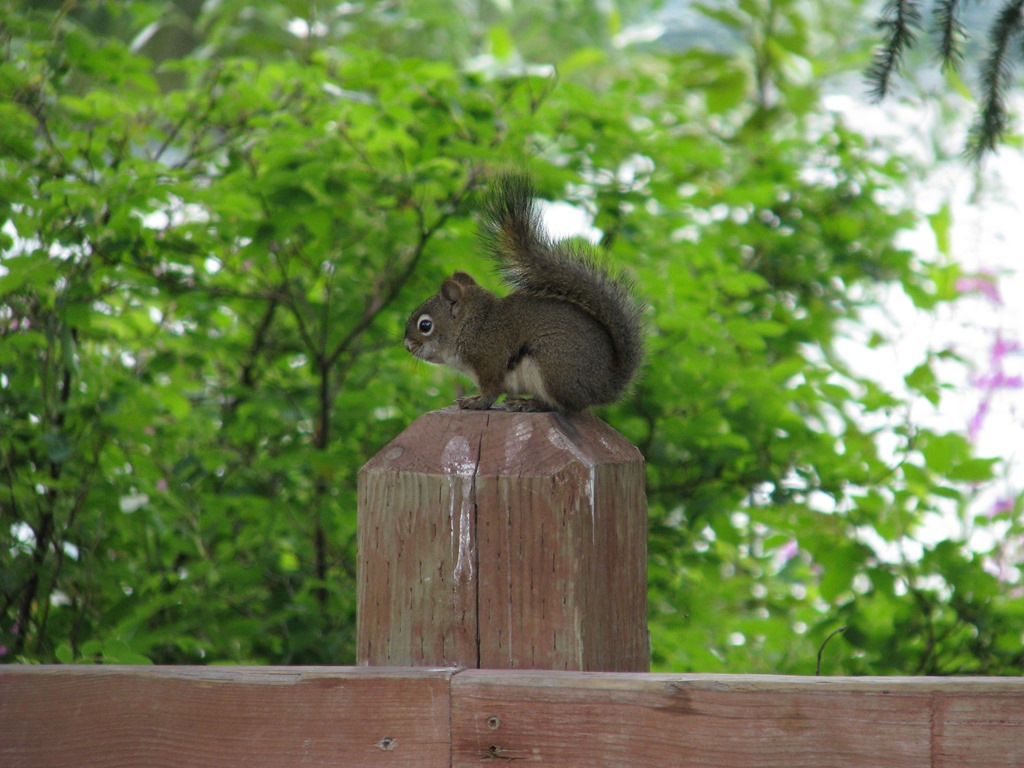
x=821, y=648
x=377, y=303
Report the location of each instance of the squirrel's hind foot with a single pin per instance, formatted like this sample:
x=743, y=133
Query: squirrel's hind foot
x=526, y=405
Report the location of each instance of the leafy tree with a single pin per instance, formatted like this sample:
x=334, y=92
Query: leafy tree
x=216, y=220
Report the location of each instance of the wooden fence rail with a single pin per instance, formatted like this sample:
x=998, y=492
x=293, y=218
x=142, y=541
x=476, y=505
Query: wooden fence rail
x=107, y=717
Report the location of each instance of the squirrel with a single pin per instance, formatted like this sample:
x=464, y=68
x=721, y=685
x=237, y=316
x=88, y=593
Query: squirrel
x=570, y=334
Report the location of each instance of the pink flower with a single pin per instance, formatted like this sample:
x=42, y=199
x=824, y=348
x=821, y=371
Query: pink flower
x=1004, y=504
x=786, y=552
x=997, y=380
x=980, y=284
x=974, y=428
x=161, y=484
x=1003, y=347
x=993, y=379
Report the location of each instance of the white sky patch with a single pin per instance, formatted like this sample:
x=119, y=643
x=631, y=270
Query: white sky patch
x=985, y=327
x=303, y=29
x=564, y=220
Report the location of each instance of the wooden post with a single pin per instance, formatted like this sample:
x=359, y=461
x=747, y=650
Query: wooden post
x=504, y=540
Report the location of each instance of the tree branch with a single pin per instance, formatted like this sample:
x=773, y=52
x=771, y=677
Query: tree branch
x=387, y=292
x=996, y=78
x=951, y=33
x=900, y=22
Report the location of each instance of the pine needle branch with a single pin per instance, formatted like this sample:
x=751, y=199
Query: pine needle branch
x=996, y=78
x=900, y=23
x=951, y=33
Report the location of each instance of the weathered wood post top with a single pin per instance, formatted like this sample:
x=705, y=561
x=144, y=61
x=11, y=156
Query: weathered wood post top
x=490, y=539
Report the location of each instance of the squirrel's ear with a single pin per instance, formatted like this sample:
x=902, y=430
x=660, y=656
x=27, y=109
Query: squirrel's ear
x=452, y=293
x=463, y=279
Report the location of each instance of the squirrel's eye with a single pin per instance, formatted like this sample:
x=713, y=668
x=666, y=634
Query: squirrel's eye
x=425, y=325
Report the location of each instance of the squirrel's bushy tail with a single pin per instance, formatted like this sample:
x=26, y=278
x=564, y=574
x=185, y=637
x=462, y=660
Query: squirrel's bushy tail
x=532, y=262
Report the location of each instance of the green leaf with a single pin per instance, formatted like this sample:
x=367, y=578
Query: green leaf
x=502, y=45
x=941, y=222
x=974, y=470
x=119, y=652
x=34, y=269
x=922, y=379
x=64, y=654
x=840, y=565
x=57, y=447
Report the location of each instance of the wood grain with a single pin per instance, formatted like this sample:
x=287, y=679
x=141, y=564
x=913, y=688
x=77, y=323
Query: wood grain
x=504, y=540
x=569, y=720
x=417, y=561
x=562, y=541
x=108, y=717
x=114, y=717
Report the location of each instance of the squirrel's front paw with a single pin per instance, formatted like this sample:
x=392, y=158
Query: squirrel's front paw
x=474, y=403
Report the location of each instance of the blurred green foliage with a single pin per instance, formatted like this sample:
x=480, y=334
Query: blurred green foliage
x=217, y=215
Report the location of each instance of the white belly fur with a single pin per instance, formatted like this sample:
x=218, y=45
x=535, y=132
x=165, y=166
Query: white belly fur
x=526, y=379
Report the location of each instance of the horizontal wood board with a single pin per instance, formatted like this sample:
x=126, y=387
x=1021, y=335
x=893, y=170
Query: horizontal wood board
x=721, y=721
x=217, y=717
x=96, y=717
